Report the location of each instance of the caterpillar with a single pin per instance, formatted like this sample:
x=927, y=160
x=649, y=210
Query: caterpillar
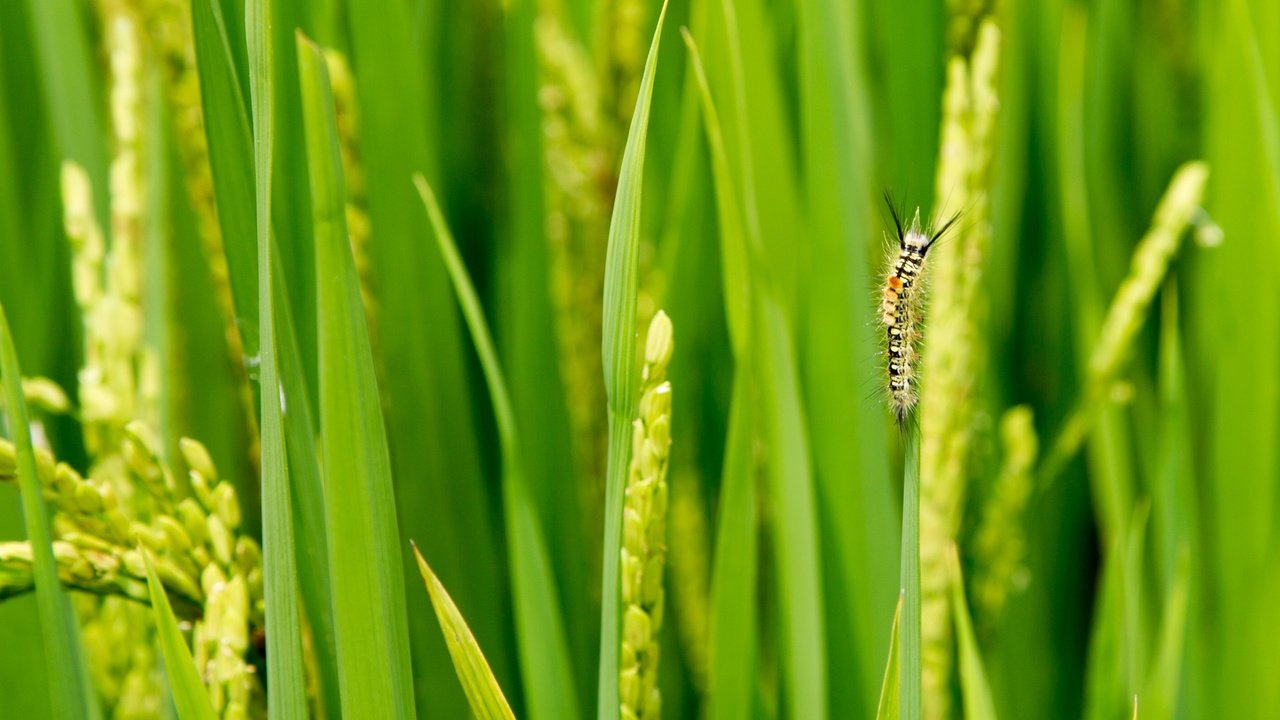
x=900, y=305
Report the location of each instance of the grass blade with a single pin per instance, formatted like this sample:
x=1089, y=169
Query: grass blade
x=71, y=695
x=909, y=639
x=1238, y=487
x=287, y=698
x=1160, y=693
x=443, y=499
x=71, y=97
x=732, y=636
x=732, y=682
x=799, y=580
x=889, y=707
x=527, y=333
x=978, y=704
x=544, y=653
x=306, y=490
x=619, y=359
x=771, y=363
x=841, y=349
x=734, y=251
x=189, y=694
x=370, y=620
x=231, y=159
x=478, y=682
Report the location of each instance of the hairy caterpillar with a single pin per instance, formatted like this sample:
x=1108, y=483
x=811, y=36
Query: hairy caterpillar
x=900, y=305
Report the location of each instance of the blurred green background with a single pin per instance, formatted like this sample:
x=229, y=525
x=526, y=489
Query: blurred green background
x=517, y=112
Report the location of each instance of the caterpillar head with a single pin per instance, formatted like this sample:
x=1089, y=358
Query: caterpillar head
x=914, y=238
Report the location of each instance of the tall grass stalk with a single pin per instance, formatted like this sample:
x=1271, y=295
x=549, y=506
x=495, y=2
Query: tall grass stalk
x=910, y=663
x=619, y=354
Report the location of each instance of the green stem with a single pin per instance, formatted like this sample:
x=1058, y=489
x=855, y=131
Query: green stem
x=910, y=638
x=616, y=478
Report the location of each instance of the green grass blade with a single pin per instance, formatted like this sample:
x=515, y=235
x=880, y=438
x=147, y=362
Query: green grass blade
x=70, y=693
x=527, y=336
x=445, y=503
x=732, y=635
x=909, y=638
x=70, y=92
x=478, y=682
x=544, y=654
x=978, y=704
x=734, y=254
x=306, y=488
x=799, y=578
x=1115, y=641
x=783, y=428
x=890, y=705
x=1242, y=138
x=370, y=620
x=841, y=350
x=231, y=159
x=1160, y=692
x=732, y=682
x=189, y=694
x=619, y=359
x=287, y=698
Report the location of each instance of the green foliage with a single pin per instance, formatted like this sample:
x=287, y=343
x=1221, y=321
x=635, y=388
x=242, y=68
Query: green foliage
x=481, y=687
x=63, y=653
x=368, y=590
x=1085, y=520
x=548, y=679
x=189, y=693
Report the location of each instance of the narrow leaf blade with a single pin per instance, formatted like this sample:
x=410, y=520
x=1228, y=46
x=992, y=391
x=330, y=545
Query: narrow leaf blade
x=544, y=654
x=890, y=700
x=231, y=160
x=978, y=704
x=478, y=682
x=370, y=619
x=63, y=655
x=619, y=360
x=287, y=698
x=189, y=694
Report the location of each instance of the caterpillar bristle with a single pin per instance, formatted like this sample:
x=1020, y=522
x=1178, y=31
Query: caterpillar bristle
x=900, y=306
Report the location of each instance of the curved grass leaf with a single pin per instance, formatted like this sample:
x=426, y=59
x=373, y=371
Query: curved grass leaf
x=478, y=682
x=370, y=620
x=72, y=97
x=732, y=635
x=444, y=501
x=889, y=707
x=799, y=566
x=527, y=336
x=189, y=694
x=1162, y=687
x=1238, y=488
x=232, y=158
x=544, y=654
x=226, y=124
x=978, y=704
x=734, y=252
x=771, y=363
x=70, y=695
x=840, y=348
x=619, y=359
x=287, y=698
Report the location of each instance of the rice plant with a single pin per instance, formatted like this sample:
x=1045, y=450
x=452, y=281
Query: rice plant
x=539, y=359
